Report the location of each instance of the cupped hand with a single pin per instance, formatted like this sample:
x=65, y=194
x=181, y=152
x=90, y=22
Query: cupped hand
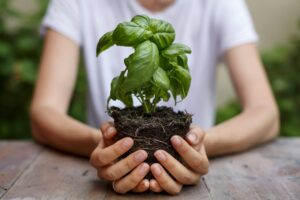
x=196, y=164
x=126, y=174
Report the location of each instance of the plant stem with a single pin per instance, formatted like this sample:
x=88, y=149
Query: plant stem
x=144, y=102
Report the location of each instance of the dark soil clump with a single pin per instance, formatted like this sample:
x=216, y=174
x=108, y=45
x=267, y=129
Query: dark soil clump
x=150, y=131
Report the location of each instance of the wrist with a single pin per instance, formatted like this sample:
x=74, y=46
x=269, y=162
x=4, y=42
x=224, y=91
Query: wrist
x=208, y=144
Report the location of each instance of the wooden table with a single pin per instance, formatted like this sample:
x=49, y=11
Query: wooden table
x=29, y=171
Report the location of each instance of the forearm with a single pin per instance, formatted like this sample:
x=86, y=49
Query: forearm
x=58, y=130
x=252, y=127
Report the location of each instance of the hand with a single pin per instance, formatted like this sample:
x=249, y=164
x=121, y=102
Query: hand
x=192, y=152
x=104, y=159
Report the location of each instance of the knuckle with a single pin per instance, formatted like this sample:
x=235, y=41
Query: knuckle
x=205, y=170
x=105, y=174
x=196, y=164
x=128, y=164
x=192, y=180
x=102, y=174
x=138, y=188
x=170, y=165
x=187, y=180
x=95, y=161
x=133, y=181
x=109, y=175
x=98, y=158
x=119, y=189
x=175, y=190
x=92, y=161
x=201, y=166
x=104, y=126
x=184, y=149
x=116, y=150
x=163, y=181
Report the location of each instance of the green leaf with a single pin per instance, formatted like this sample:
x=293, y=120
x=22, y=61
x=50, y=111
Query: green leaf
x=161, y=79
x=174, y=88
x=141, y=20
x=165, y=95
x=149, y=91
x=130, y=34
x=126, y=99
x=180, y=81
x=105, y=42
x=164, y=63
x=114, y=88
x=183, y=61
x=117, y=91
x=141, y=65
x=176, y=49
x=163, y=33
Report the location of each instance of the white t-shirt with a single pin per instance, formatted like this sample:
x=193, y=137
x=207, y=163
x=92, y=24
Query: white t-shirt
x=209, y=27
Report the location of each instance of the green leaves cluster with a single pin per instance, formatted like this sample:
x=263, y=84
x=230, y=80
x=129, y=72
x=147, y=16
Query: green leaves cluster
x=157, y=68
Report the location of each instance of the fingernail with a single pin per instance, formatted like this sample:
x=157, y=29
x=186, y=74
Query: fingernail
x=160, y=156
x=156, y=170
x=176, y=141
x=192, y=137
x=143, y=168
x=140, y=156
x=127, y=143
x=109, y=131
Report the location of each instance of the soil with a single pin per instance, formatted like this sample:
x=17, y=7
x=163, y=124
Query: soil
x=150, y=131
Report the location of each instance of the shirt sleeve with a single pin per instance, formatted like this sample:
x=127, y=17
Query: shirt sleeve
x=233, y=24
x=63, y=16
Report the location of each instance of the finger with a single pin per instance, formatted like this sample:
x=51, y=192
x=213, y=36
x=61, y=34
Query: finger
x=195, y=136
x=121, y=168
x=198, y=161
x=101, y=157
x=142, y=186
x=108, y=129
x=164, y=180
x=182, y=174
x=154, y=186
x=106, y=124
x=130, y=181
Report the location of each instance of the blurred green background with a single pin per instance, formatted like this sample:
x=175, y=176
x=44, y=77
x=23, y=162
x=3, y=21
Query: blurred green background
x=20, y=49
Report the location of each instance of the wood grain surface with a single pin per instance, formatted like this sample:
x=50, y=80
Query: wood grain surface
x=29, y=171
x=15, y=158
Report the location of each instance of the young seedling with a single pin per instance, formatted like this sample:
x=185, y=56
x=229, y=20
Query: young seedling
x=157, y=67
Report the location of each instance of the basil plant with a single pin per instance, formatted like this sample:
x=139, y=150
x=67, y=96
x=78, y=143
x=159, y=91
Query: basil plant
x=157, y=68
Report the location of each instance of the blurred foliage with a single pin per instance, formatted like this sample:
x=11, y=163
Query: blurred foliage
x=227, y=111
x=283, y=68
x=20, y=50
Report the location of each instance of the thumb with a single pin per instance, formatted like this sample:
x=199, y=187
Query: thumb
x=108, y=129
x=195, y=137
